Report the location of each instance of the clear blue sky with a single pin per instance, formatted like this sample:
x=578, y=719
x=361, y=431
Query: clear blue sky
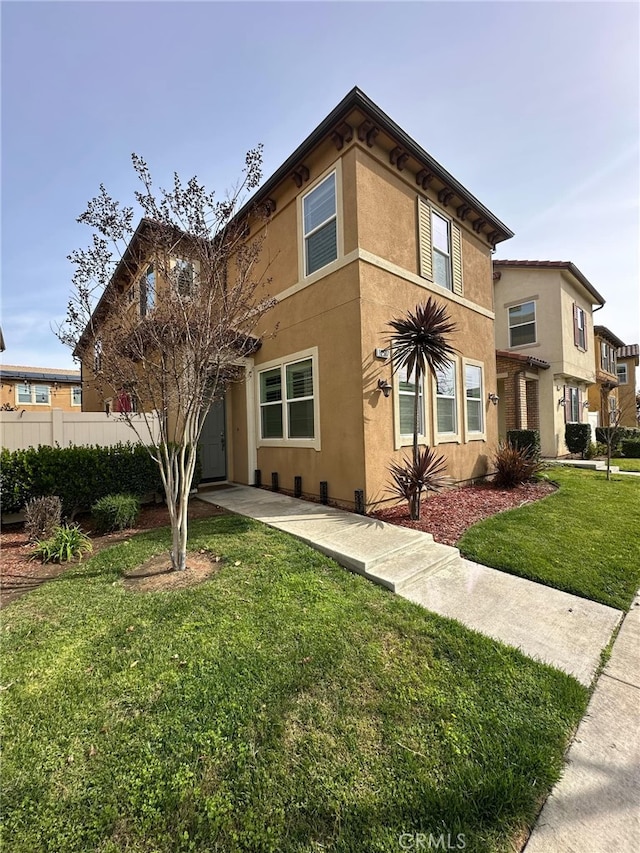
x=534, y=107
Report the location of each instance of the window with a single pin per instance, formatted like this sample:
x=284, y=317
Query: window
x=76, y=395
x=522, y=324
x=406, y=403
x=607, y=357
x=474, y=398
x=148, y=291
x=34, y=394
x=441, y=250
x=184, y=272
x=440, y=246
x=623, y=376
x=97, y=357
x=319, y=213
x=579, y=327
x=446, y=401
x=288, y=401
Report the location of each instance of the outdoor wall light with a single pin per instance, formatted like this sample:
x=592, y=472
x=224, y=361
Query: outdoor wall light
x=384, y=386
x=493, y=398
x=561, y=401
x=585, y=405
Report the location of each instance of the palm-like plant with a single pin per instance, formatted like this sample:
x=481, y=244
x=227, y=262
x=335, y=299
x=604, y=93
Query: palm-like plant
x=421, y=345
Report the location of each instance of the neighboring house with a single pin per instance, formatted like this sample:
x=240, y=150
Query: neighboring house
x=603, y=396
x=627, y=358
x=364, y=225
x=37, y=388
x=545, y=344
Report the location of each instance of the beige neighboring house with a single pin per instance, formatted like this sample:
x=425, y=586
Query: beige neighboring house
x=364, y=225
x=545, y=347
x=627, y=357
x=38, y=388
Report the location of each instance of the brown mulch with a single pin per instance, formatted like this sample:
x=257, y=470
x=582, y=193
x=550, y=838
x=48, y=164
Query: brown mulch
x=447, y=515
x=20, y=574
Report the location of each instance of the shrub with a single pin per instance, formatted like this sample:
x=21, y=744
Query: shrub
x=43, y=515
x=576, y=437
x=524, y=438
x=67, y=542
x=631, y=448
x=115, y=512
x=15, y=480
x=515, y=465
x=410, y=478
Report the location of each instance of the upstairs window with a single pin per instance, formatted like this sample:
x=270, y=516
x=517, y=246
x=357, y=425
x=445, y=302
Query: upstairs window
x=147, y=291
x=522, y=324
x=184, y=272
x=622, y=373
x=97, y=357
x=319, y=212
x=607, y=357
x=579, y=327
x=440, y=248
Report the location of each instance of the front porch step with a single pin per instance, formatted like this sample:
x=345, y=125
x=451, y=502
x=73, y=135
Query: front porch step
x=401, y=571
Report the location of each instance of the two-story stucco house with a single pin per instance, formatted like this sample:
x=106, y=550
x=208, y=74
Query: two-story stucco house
x=364, y=225
x=545, y=347
x=603, y=395
x=627, y=359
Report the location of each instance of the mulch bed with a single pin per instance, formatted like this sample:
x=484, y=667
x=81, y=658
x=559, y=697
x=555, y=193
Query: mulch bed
x=20, y=573
x=447, y=515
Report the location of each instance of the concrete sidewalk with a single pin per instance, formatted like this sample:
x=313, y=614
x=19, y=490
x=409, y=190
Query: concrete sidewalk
x=596, y=805
x=563, y=630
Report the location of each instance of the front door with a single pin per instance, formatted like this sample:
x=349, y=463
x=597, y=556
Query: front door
x=213, y=443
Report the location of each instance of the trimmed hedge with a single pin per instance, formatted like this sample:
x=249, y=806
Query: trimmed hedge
x=619, y=434
x=577, y=437
x=523, y=439
x=78, y=475
x=631, y=448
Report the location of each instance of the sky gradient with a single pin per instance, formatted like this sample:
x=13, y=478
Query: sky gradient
x=534, y=107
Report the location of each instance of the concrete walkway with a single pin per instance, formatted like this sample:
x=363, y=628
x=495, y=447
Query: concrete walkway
x=563, y=630
x=596, y=805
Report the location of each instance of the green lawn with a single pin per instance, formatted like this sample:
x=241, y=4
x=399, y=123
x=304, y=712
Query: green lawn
x=626, y=464
x=283, y=705
x=583, y=539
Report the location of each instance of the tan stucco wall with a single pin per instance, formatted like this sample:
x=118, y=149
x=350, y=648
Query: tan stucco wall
x=627, y=394
x=59, y=397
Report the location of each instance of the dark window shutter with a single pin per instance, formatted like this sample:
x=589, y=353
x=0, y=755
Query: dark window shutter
x=567, y=404
x=579, y=406
x=576, y=338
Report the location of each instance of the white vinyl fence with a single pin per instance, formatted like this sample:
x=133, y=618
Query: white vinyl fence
x=20, y=430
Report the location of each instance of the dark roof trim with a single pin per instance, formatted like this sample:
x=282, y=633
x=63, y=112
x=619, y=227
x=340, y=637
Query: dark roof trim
x=531, y=360
x=356, y=99
x=562, y=265
x=608, y=335
x=72, y=378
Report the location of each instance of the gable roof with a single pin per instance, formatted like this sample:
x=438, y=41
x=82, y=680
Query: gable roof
x=357, y=100
x=555, y=265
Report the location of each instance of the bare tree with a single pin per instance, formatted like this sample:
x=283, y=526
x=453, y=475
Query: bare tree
x=164, y=314
x=611, y=419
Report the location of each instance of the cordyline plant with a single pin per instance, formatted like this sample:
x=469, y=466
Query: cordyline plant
x=164, y=315
x=420, y=343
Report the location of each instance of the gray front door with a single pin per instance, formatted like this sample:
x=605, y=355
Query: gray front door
x=212, y=444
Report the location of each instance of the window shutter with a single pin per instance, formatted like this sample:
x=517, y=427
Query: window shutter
x=456, y=259
x=567, y=404
x=575, y=325
x=424, y=239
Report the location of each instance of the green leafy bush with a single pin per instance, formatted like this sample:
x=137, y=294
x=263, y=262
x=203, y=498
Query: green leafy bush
x=42, y=516
x=631, y=448
x=524, y=438
x=515, y=465
x=115, y=512
x=15, y=480
x=576, y=437
x=67, y=542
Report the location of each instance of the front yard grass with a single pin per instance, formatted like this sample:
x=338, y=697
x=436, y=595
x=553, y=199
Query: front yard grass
x=626, y=464
x=282, y=705
x=583, y=539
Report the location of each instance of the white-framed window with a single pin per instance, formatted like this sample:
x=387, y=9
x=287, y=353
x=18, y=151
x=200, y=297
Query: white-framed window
x=474, y=399
x=446, y=394
x=522, y=324
x=572, y=405
x=579, y=327
x=440, y=247
x=184, y=276
x=147, y=289
x=97, y=356
x=76, y=395
x=622, y=373
x=405, y=386
x=288, y=401
x=320, y=225
x=34, y=394
x=607, y=357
